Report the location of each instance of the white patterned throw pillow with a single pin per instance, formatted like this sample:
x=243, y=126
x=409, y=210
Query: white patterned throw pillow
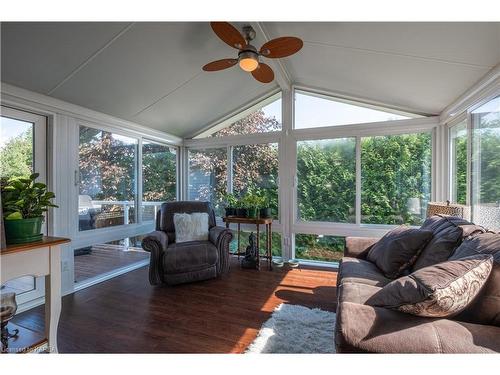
x=191, y=227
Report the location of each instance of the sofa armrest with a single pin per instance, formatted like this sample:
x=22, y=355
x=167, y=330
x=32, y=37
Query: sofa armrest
x=363, y=328
x=358, y=247
x=156, y=243
x=221, y=237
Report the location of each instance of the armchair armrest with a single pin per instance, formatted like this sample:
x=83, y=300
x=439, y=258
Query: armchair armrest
x=358, y=247
x=221, y=237
x=156, y=243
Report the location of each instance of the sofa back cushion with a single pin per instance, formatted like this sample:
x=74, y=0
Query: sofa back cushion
x=438, y=291
x=398, y=250
x=486, y=308
x=448, y=232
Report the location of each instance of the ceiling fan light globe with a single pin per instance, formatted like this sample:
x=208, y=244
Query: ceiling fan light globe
x=248, y=60
x=248, y=64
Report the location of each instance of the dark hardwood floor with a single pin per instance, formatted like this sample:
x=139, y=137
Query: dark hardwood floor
x=127, y=315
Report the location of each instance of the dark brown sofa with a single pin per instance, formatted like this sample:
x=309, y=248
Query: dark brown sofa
x=175, y=263
x=363, y=328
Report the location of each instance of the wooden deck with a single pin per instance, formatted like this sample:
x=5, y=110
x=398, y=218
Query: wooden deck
x=127, y=315
x=105, y=258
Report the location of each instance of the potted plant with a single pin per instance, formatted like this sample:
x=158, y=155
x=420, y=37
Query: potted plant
x=264, y=209
x=251, y=202
x=241, y=210
x=231, y=202
x=24, y=202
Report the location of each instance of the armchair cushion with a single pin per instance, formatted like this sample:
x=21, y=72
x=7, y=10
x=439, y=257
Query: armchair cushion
x=189, y=256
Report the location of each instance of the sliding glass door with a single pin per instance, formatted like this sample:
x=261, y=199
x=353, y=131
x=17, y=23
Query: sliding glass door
x=123, y=180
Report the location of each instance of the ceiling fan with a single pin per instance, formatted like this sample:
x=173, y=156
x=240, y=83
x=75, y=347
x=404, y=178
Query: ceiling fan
x=248, y=56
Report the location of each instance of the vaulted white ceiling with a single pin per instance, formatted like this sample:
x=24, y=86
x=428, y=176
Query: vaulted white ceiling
x=150, y=73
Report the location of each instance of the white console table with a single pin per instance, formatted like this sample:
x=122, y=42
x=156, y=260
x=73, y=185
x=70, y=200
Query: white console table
x=41, y=258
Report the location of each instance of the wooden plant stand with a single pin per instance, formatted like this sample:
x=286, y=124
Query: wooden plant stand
x=257, y=222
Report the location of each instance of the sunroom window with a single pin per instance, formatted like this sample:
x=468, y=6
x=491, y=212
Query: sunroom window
x=316, y=111
x=263, y=117
x=458, y=162
x=486, y=164
x=326, y=180
x=395, y=178
x=207, y=179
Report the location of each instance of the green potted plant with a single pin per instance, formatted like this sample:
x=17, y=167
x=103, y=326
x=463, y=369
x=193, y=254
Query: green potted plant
x=231, y=202
x=241, y=210
x=264, y=209
x=251, y=202
x=24, y=202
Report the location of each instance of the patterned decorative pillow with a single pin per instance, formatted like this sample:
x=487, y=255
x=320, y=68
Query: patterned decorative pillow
x=442, y=290
x=191, y=227
x=398, y=250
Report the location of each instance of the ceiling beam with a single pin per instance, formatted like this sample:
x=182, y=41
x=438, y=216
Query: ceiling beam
x=281, y=75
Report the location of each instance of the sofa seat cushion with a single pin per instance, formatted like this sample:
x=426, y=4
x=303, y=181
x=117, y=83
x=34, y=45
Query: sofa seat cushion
x=398, y=250
x=361, y=271
x=442, y=290
x=485, y=309
x=189, y=256
x=363, y=328
x=355, y=292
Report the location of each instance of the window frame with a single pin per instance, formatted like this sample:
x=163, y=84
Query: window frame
x=114, y=233
x=229, y=144
x=141, y=167
x=466, y=115
x=386, y=128
x=368, y=104
x=287, y=139
x=450, y=165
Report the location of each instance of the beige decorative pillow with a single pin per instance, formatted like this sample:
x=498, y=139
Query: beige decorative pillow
x=191, y=227
x=438, y=291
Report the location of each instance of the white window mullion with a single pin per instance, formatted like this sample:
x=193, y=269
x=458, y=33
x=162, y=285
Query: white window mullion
x=229, y=169
x=358, y=180
x=138, y=184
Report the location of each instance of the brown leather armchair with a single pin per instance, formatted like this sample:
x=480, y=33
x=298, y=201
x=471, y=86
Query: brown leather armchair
x=175, y=263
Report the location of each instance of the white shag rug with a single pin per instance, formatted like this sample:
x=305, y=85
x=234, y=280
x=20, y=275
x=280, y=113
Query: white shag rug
x=296, y=329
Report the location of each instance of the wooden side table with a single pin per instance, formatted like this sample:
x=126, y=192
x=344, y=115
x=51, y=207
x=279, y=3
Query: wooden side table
x=41, y=258
x=257, y=222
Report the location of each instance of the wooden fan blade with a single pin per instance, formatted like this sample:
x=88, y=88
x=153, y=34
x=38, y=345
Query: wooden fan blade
x=263, y=73
x=281, y=47
x=220, y=65
x=229, y=34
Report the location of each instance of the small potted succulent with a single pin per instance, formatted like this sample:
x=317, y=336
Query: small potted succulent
x=24, y=202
